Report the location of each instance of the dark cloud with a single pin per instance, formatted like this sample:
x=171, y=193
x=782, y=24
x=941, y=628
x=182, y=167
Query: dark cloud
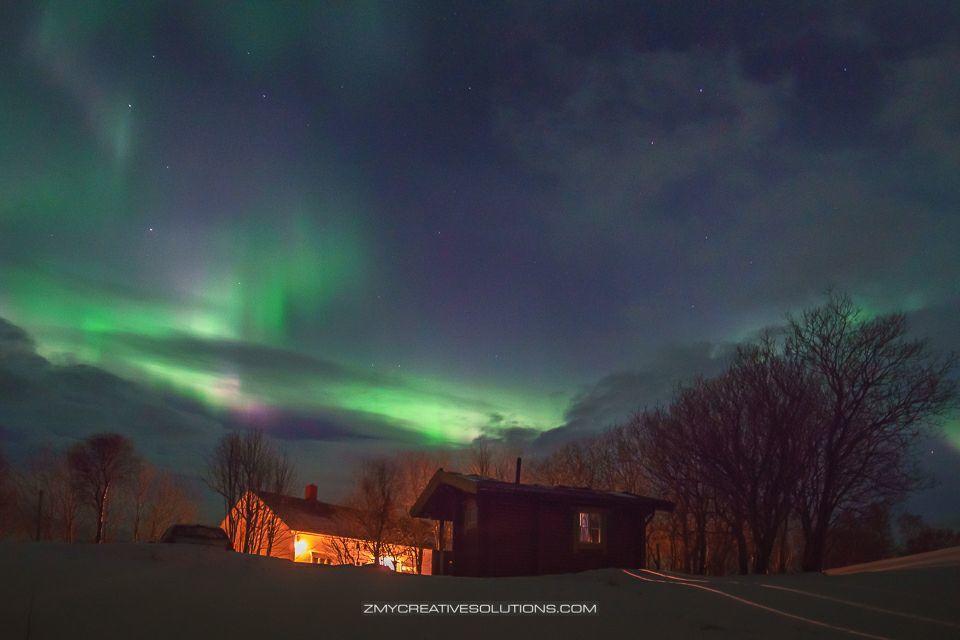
x=511, y=435
x=619, y=395
x=13, y=338
x=939, y=324
x=18, y=353
x=709, y=185
x=326, y=425
x=45, y=402
x=260, y=363
x=518, y=438
x=212, y=354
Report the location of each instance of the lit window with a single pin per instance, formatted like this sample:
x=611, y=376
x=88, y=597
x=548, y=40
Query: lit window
x=590, y=526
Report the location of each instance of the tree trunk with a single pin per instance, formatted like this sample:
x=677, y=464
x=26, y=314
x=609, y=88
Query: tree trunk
x=814, y=549
x=743, y=553
x=68, y=527
x=761, y=562
x=685, y=537
x=136, y=524
x=101, y=515
x=702, y=544
x=784, y=540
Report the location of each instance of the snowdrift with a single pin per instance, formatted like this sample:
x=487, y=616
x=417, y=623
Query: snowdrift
x=182, y=592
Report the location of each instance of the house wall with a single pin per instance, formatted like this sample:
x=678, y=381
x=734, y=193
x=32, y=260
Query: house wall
x=326, y=549
x=509, y=532
x=282, y=544
x=522, y=536
x=466, y=539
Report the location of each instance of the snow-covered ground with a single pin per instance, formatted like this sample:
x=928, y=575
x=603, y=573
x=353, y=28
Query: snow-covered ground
x=941, y=558
x=180, y=592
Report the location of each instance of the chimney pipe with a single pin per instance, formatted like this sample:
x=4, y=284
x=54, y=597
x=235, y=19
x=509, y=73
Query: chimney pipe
x=310, y=492
x=517, y=480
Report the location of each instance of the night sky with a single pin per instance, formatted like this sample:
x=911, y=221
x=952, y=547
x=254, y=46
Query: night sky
x=367, y=226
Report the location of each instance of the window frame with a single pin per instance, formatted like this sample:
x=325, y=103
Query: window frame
x=471, y=515
x=603, y=532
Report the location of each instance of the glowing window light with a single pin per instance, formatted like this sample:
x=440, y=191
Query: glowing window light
x=590, y=527
x=300, y=547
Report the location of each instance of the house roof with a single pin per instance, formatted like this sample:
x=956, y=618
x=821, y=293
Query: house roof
x=429, y=505
x=312, y=516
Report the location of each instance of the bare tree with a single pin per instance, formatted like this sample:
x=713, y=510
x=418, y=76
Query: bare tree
x=280, y=481
x=880, y=390
x=344, y=546
x=582, y=463
x=158, y=499
x=99, y=465
x=860, y=536
x=627, y=469
x=668, y=444
x=414, y=470
x=377, y=500
x=750, y=424
x=242, y=466
x=917, y=536
x=140, y=489
x=806, y=427
x=47, y=497
x=489, y=458
x=478, y=457
x=223, y=476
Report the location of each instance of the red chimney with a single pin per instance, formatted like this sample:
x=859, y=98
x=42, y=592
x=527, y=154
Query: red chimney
x=310, y=492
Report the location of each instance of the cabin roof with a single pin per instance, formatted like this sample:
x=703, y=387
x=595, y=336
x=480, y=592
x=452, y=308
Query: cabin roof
x=430, y=504
x=312, y=516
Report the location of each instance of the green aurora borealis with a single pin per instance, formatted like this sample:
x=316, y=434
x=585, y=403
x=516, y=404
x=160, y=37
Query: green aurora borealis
x=248, y=276
x=250, y=303
x=416, y=224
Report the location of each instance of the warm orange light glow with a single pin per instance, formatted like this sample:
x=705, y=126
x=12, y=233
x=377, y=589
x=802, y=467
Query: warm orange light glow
x=300, y=547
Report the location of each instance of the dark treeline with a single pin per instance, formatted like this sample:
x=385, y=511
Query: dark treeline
x=791, y=459
x=100, y=489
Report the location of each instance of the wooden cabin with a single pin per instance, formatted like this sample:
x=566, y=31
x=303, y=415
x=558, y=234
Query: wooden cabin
x=512, y=529
x=311, y=531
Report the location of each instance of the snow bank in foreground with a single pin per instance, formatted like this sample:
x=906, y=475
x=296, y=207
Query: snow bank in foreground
x=182, y=592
